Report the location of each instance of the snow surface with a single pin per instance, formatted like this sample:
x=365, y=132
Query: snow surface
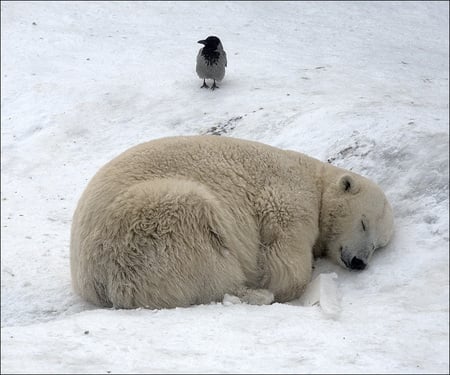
x=361, y=84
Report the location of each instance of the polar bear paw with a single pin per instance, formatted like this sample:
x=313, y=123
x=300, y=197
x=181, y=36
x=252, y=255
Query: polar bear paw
x=254, y=296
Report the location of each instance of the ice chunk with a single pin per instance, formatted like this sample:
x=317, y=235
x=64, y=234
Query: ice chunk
x=323, y=291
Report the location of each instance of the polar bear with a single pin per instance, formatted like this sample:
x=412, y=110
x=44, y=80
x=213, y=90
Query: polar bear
x=185, y=220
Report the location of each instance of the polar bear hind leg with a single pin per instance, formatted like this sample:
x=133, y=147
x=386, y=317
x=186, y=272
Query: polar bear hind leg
x=171, y=246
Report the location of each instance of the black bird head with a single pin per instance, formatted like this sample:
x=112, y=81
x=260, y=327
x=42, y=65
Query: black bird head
x=211, y=42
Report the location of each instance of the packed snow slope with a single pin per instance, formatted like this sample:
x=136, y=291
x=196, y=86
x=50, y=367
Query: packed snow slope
x=363, y=85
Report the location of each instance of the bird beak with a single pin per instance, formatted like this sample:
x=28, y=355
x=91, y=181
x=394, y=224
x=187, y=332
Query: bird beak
x=202, y=41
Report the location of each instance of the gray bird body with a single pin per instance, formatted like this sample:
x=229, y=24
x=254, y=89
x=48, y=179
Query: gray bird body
x=211, y=60
x=212, y=71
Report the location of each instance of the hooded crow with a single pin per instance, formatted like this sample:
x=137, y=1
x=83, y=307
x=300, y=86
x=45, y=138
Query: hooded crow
x=211, y=61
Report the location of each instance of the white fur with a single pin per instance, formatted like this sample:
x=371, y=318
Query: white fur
x=185, y=220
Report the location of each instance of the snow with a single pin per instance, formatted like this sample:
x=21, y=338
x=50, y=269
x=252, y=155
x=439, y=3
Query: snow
x=361, y=84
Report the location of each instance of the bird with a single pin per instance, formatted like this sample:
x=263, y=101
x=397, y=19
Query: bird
x=211, y=61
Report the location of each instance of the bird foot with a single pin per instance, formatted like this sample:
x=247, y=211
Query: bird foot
x=214, y=86
x=204, y=85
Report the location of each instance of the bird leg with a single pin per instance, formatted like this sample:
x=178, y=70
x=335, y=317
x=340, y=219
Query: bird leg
x=214, y=86
x=204, y=84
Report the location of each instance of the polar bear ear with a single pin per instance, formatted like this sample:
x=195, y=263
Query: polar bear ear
x=348, y=184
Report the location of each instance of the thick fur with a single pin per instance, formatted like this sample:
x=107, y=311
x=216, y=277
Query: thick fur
x=185, y=220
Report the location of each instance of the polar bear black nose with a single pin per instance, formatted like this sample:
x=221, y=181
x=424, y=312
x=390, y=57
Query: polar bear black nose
x=357, y=264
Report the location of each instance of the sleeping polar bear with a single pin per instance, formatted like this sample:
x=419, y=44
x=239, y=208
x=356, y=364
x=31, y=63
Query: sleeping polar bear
x=185, y=220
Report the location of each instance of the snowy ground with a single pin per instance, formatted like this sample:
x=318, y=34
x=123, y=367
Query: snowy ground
x=363, y=85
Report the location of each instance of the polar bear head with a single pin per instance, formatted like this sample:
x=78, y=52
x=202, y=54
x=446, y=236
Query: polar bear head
x=355, y=219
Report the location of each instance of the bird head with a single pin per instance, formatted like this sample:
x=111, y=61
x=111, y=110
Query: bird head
x=211, y=42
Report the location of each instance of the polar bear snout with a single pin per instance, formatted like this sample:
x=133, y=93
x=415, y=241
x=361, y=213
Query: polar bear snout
x=357, y=264
x=353, y=262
